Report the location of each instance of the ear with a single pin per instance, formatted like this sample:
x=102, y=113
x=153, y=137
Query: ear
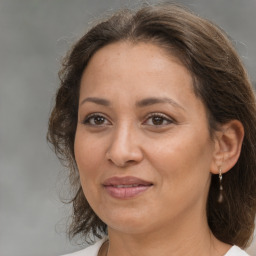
x=227, y=146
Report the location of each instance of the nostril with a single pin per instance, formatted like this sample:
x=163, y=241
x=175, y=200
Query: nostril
x=130, y=161
x=122, y=163
x=122, y=156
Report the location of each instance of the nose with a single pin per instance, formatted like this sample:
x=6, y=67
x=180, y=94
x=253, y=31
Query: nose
x=125, y=148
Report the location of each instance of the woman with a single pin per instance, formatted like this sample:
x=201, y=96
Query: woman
x=155, y=119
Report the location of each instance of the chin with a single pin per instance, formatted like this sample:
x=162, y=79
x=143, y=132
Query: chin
x=127, y=222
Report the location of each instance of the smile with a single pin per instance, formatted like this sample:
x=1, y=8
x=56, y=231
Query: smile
x=126, y=187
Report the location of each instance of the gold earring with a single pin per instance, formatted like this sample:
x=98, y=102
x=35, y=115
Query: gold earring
x=221, y=196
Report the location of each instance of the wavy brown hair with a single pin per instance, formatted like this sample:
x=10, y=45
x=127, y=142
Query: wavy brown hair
x=220, y=81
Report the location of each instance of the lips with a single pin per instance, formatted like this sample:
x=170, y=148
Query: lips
x=126, y=187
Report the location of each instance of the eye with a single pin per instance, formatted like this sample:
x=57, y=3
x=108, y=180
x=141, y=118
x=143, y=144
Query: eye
x=96, y=120
x=158, y=119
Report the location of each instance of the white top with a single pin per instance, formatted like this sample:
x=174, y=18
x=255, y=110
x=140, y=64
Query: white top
x=94, y=249
x=235, y=251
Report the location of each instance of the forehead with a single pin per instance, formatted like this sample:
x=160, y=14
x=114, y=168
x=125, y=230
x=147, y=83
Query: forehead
x=135, y=50
x=137, y=64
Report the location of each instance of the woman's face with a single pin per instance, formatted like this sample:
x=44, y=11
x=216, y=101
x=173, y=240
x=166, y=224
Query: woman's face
x=142, y=143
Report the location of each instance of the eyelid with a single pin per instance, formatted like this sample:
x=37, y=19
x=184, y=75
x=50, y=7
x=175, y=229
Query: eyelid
x=94, y=114
x=170, y=120
x=164, y=116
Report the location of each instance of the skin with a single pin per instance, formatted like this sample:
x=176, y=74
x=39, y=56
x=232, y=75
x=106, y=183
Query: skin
x=176, y=154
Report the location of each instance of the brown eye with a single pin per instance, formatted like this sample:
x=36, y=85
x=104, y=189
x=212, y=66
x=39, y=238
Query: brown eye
x=158, y=119
x=96, y=120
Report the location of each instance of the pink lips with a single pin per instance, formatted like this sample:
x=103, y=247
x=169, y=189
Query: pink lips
x=125, y=187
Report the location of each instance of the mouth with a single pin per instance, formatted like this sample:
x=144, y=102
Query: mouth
x=126, y=187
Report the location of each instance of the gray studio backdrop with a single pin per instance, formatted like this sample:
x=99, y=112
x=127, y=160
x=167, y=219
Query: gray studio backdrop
x=33, y=37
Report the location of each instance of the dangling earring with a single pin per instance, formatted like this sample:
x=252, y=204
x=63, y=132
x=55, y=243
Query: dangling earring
x=221, y=196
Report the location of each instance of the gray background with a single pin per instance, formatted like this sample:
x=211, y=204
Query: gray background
x=33, y=37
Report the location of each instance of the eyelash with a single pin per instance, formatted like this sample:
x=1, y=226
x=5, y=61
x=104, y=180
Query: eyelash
x=94, y=115
x=163, y=117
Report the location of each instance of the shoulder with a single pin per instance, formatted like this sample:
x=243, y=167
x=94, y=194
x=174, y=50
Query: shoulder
x=89, y=251
x=236, y=251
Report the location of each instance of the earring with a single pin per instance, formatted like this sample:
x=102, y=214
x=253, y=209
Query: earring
x=221, y=196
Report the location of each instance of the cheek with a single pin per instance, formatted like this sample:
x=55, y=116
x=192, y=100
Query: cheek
x=88, y=155
x=183, y=162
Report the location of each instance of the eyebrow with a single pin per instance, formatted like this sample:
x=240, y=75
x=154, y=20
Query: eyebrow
x=95, y=100
x=142, y=103
x=155, y=100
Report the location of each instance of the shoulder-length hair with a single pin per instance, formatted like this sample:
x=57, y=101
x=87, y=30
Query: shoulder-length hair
x=219, y=80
